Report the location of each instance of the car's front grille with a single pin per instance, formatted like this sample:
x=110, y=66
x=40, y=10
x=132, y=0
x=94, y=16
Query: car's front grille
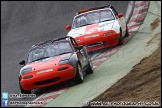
x=95, y=44
x=47, y=81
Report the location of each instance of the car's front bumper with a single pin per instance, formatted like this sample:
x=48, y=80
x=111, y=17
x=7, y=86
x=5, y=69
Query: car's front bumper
x=47, y=78
x=102, y=40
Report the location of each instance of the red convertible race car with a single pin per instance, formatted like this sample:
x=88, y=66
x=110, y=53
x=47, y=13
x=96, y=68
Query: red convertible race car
x=52, y=62
x=98, y=27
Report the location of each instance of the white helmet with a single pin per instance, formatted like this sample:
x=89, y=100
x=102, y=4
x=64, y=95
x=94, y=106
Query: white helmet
x=39, y=53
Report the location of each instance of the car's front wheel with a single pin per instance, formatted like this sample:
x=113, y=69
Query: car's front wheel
x=79, y=75
x=24, y=91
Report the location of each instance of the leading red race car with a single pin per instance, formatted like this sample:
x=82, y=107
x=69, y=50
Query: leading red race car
x=98, y=27
x=52, y=62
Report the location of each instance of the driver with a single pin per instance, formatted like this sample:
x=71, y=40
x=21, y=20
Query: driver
x=83, y=20
x=39, y=53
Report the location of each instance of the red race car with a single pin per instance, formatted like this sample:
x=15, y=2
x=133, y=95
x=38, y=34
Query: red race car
x=98, y=27
x=52, y=62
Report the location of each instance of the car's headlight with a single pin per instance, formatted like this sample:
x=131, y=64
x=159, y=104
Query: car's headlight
x=64, y=60
x=25, y=70
x=72, y=61
x=61, y=62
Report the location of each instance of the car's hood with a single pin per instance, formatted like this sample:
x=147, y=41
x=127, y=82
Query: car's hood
x=48, y=62
x=89, y=29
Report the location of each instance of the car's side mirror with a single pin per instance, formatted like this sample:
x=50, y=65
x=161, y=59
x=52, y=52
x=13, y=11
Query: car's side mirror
x=68, y=27
x=120, y=15
x=79, y=47
x=22, y=62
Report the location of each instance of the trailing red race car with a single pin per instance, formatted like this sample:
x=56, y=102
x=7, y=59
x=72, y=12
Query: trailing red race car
x=98, y=27
x=52, y=62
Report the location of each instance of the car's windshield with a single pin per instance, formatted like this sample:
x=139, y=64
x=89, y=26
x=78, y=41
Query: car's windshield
x=50, y=50
x=92, y=17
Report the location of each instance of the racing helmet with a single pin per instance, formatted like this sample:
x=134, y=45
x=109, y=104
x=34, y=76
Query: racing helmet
x=83, y=20
x=39, y=53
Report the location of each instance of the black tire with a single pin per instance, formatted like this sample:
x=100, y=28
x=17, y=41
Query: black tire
x=24, y=91
x=79, y=75
x=89, y=68
x=121, y=39
x=127, y=33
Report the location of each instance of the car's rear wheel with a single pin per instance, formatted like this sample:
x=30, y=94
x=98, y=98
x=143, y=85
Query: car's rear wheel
x=79, y=75
x=90, y=67
x=121, y=38
x=24, y=91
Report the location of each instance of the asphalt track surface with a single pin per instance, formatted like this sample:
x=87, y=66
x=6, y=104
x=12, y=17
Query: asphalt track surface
x=24, y=23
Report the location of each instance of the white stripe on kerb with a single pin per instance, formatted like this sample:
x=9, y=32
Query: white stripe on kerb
x=141, y=7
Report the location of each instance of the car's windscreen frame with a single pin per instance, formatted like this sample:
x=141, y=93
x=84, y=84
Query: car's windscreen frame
x=56, y=45
x=89, y=20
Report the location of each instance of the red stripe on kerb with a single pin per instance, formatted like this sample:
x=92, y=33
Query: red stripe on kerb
x=140, y=11
x=139, y=18
x=91, y=28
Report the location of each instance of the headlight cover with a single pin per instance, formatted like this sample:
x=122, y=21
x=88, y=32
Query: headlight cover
x=25, y=70
x=72, y=61
x=61, y=62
